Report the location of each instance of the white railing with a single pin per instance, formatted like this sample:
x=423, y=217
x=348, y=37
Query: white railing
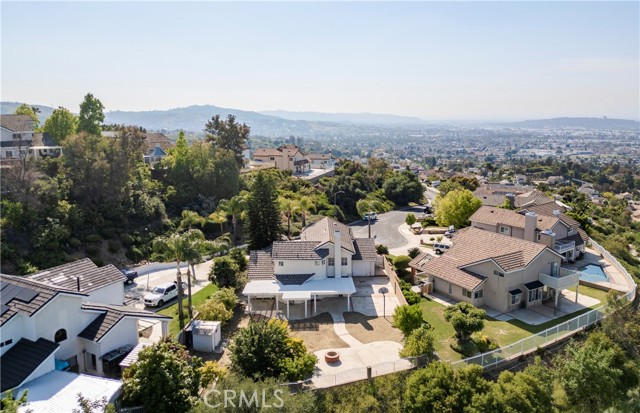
x=561, y=247
x=566, y=279
x=613, y=260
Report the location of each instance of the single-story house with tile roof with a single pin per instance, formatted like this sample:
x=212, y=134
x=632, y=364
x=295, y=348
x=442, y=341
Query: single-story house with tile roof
x=321, y=264
x=486, y=268
x=46, y=326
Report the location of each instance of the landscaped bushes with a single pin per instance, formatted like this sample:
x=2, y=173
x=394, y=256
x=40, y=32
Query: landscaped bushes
x=411, y=296
x=93, y=238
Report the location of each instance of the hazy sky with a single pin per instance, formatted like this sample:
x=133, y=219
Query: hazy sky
x=459, y=60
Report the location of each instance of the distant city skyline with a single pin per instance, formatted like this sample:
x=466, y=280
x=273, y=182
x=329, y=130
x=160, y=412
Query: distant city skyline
x=432, y=60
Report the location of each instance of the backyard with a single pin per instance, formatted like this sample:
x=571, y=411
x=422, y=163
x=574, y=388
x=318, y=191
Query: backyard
x=504, y=332
x=196, y=299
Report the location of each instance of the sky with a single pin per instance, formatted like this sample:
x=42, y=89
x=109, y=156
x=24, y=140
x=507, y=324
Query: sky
x=437, y=61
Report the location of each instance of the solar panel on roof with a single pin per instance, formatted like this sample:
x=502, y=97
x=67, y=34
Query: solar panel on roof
x=17, y=292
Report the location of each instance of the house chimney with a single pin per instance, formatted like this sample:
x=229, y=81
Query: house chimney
x=78, y=283
x=530, y=221
x=512, y=200
x=337, y=251
x=556, y=213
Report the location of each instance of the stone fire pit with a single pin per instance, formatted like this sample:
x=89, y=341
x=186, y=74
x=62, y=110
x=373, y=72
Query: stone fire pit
x=332, y=357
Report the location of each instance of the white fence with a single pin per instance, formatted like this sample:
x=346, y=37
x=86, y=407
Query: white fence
x=613, y=260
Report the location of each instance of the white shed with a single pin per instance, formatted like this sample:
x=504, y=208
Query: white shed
x=206, y=335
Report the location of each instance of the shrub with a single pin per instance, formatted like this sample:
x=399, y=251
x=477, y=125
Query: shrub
x=413, y=252
x=382, y=249
x=98, y=261
x=483, y=342
x=126, y=239
x=92, y=250
x=407, y=318
x=109, y=233
x=465, y=318
x=114, y=246
x=214, y=310
x=418, y=343
x=93, y=238
x=467, y=348
x=239, y=257
x=74, y=242
x=227, y=296
x=134, y=254
x=411, y=296
x=211, y=371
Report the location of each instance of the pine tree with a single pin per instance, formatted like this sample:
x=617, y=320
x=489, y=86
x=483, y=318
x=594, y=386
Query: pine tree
x=263, y=214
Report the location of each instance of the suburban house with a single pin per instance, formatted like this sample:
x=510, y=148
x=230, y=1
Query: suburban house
x=157, y=145
x=290, y=157
x=321, y=264
x=544, y=224
x=517, y=196
x=43, y=146
x=69, y=317
x=487, y=268
x=16, y=135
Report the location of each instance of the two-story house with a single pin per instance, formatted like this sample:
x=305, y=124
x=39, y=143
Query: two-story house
x=486, y=268
x=69, y=317
x=544, y=224
x=286, y=158
x=16, y=135
x=321, y=264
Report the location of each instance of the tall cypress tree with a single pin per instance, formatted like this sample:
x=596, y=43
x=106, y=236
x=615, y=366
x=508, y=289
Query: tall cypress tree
x=263, y=214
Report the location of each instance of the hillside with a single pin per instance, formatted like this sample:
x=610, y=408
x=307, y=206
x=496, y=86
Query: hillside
x=586, y=123
x=362, y=118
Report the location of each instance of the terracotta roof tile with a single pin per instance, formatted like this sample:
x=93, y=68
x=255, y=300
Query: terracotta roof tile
x=324, y=231
x=260, y=265
x=365, y=249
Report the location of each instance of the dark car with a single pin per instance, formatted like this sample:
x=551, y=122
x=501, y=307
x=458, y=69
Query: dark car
x=130, y=274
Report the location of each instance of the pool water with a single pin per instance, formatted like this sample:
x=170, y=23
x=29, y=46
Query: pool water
x=593, y=273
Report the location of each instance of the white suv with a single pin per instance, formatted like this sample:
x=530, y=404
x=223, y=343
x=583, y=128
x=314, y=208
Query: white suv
x=162, y=293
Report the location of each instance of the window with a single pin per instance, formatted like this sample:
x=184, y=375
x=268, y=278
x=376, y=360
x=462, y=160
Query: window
x=498, y=273
x=504, y=230
x=555, y=269
x=466, y=293
x=291, y=159
x=8, y=154
x=344, y=261
x=450, y=288
x=515, y=299
x=538, y=237
x=534, y=295
x=280, y=263
x=6, y=343
x=16, y=136
x=317, y=263
x=478, y=294
x=60, y=335
x=169, y=289
x=271, y=158
x=92, y=361
x=332, y=262
x=324, y=262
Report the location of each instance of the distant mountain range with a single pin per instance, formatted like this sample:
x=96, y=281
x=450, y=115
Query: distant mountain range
x=362, y=118
x=284, y=123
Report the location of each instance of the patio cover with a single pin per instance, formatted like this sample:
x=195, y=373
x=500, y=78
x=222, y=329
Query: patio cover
x=323, y=286
x=296, y=295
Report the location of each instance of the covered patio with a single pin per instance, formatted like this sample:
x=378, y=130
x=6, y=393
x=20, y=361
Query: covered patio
x=306, y=292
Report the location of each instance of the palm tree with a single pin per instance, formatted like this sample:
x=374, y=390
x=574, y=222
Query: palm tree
x=174, y=247
x=219, y=217
x=235, y=207
x=366, y=206
x=191, y=219
x=194, y=246
x=289, y=208
x=306, y=205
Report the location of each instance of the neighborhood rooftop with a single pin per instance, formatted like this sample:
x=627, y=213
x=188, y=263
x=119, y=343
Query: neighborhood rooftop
x=90, y=275
x=111, y=315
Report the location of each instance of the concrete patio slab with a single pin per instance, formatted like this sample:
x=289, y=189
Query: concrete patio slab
x=441, y=299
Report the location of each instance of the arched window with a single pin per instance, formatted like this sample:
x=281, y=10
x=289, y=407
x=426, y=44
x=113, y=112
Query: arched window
x=61, y=335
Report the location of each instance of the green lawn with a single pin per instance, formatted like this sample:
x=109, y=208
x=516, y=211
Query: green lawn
x=505, y=332
x=197, y=299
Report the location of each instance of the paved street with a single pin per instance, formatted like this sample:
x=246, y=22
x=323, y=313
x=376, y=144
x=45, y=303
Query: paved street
x=385, y=228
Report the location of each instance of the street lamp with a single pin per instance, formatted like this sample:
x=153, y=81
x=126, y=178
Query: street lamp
x=383, y=291
x=334, y=201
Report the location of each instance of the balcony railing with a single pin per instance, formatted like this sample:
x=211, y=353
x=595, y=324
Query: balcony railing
x=566, y=279
x=562, y=247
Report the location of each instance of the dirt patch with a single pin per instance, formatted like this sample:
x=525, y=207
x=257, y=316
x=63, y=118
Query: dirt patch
x=317, y=333
x=367, y=329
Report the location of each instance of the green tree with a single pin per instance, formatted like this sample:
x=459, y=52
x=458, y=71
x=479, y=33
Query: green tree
x=30, y=111
x=91, y=115
x=240, y=258
x=235, y=207
x=400, y=264
x=465, y=318
x=413, y=252
x=165, y=378
x=407, y=318
x=224, y=272
x=418, y=343
x=263, y=214
x=289, y=208
x=265, y=349
x=410, y=219
x=455, y=208
x=228, y=135
x=214, y=310
x=449, y=185
x=61, y=124
x=306, y=205
x=403, y=187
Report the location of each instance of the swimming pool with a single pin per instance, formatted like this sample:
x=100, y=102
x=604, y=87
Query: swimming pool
x=593, y=273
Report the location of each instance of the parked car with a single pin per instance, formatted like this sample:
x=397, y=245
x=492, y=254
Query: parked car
x=427, y=209
x=130, y=274
x=450, y=232
x=440, y=248
x=372, y=216
x=162, y=294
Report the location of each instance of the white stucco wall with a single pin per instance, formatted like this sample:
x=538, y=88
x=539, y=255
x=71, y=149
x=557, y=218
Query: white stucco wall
x=15, y=329
x=110, y=294
x=48, y=365
x=125, y=332
x=364, y=268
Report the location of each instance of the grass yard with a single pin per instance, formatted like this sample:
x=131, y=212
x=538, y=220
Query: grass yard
x=504, y=332
x=196, y=299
